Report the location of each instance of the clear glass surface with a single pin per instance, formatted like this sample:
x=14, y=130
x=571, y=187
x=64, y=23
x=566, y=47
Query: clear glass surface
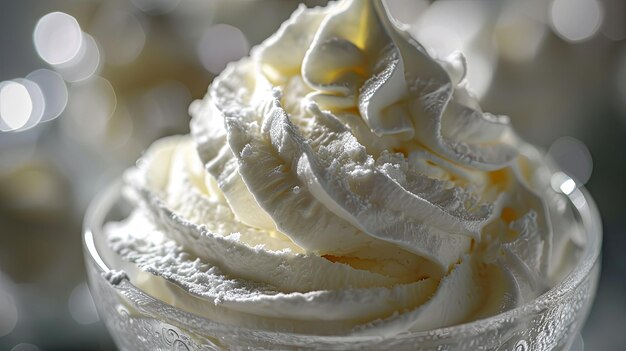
x=138, y=321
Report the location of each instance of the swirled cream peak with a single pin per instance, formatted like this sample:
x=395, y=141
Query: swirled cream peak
x=353, y=56
x=342, y=181
x=331, y=133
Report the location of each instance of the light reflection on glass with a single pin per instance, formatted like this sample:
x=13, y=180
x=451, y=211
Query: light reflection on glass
x=578, y=199
x=567, y=186
x=561, y=182
x=85, y=64
x=91, y=247
x=57, y=38
x=221, y=44
x=54, y=92
x=576, y=20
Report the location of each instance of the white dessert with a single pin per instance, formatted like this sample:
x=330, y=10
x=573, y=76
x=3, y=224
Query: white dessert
x=342, y=181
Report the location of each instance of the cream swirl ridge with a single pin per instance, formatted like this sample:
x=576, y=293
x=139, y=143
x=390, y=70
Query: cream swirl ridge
x=301, y=150
x=342, y=181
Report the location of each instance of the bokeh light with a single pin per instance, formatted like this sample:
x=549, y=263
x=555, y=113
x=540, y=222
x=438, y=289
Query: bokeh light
x=24, y=103
x=480, y=70
x=54, y=92
x=16, y=106
x=576, y=20
x=85, y=64
x=8, y=308
x=121, y=129
x=156, y=7
x=518, y=36
x=57, y=38
x=8, y=311
x=439, y=41
x=573, y=157
x=35, y=190
x=405, y=10
x=21, y=105
x=38, y=103
x=91, y=105
x=221, y=44
x=447, y=26
x=81, y=305
x=119, y=32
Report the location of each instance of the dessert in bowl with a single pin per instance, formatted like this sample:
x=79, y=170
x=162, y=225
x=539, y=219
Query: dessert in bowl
x=341, y=188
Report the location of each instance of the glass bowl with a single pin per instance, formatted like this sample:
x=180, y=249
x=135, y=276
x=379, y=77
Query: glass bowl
x=138, y=321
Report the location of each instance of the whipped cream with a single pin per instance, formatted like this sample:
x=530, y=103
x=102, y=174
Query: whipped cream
x=342, y=181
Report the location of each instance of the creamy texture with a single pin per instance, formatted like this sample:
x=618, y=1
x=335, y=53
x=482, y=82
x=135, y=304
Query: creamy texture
x=342, y=181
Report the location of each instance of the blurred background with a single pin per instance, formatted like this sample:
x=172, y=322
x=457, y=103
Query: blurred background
x=86, y=85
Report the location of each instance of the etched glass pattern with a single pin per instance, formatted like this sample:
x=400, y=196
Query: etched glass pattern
x=138, y=321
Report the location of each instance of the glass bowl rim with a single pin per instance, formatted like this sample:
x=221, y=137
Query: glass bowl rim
x=579, y=197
